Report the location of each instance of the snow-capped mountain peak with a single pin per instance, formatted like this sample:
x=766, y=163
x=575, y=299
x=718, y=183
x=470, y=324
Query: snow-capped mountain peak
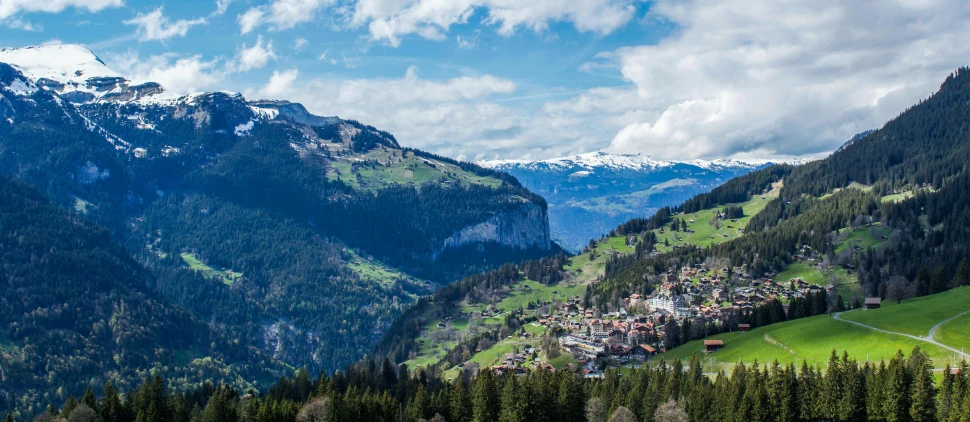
x=65, y=64
x=595, y=160
x=77, y=74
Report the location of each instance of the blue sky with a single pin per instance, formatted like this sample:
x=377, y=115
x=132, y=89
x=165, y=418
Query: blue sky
x=485, y=79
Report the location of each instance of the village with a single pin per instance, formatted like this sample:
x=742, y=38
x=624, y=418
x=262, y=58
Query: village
x=630, y=335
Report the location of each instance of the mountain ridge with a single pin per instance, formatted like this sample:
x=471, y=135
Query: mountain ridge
x=300, y=235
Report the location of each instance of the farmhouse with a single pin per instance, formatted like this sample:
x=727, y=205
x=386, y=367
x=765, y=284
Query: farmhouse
x=873, y=302
x=713, y=345
x=744, y=327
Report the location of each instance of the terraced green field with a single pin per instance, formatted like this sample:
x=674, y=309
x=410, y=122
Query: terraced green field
x=845, y=283
x=226, y=276
x=810, y=339
x=582, y=272
x=398, y=167
x=706, y=231
x=376, y=271
x=915, y=316
x=863, y=237
x=813, y=339
x=955, y=333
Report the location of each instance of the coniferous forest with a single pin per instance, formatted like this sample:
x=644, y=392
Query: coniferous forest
x=901, y=389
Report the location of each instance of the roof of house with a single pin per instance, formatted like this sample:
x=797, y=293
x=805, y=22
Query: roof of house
x=713, y=342
x=873, y=300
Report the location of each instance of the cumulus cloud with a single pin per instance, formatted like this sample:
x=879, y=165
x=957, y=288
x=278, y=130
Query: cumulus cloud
x=281, y=83
x=155, y=26
x=784, y=77
x=389, y=20
x=10, y=8
x=281, y=14
x=255, y=57
x=178, y=74
x=435, y=114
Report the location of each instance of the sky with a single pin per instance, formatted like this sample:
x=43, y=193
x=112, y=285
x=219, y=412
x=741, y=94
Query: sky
x=537, y=79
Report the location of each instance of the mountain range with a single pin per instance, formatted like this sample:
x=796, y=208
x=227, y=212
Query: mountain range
x=298, y=237
x=590, y=194
x=182, y=249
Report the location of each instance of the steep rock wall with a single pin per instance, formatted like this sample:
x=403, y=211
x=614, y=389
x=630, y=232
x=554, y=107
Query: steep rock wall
x=524, y=227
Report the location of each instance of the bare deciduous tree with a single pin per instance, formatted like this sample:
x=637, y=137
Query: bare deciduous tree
x=670, y=411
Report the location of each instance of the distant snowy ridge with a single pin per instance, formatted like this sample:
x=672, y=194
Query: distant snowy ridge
x=596, y=160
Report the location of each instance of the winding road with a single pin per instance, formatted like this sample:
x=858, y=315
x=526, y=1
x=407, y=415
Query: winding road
x=927, y=339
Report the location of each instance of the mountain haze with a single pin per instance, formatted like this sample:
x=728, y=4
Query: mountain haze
x=590, y=194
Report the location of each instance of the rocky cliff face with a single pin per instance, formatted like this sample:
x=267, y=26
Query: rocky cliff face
x=523, y=227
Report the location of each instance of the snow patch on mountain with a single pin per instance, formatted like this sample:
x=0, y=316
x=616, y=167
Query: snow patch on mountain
x=243, y=129
x=67, y=64
x=595, y=160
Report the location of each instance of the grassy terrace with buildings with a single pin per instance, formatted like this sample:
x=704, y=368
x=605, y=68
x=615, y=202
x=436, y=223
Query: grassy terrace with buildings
x=812, y=340
x=705, y=229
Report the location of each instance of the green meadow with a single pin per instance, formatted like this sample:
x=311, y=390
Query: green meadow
x=813, y=339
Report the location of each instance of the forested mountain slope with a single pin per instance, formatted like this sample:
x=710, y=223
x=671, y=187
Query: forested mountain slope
x=921, y=154
x=886, y=216
x=74, y=302
x=301, y=235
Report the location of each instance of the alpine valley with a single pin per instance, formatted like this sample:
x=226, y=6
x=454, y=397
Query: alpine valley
x=591, y=194
x=198, y=257
x=296, y=237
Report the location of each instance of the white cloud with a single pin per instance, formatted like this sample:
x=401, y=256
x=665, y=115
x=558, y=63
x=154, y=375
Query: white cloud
x=300, y=43
x=9, y=8
x=221, y=7
x=254, y=57
x=468, y=42
x=785, y=77
x=22, y=25
x=447, y=116
x=155, y=26
x=389, y=20
x=178, y=74
x=281, y=83
x=281, y=14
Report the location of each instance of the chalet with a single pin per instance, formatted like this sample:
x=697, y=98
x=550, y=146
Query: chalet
x=713, y=345
x=642, y=352
x=744, y=327
x=873, y=302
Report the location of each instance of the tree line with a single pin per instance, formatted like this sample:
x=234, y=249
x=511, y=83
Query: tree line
x=844, y=389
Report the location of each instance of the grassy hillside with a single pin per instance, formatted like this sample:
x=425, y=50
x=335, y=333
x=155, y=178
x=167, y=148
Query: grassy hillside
x=916, y=316
x=813, y=339
x=380, y=167
x=462, y=322
x=704, y=228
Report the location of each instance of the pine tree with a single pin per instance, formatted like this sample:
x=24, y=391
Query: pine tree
x=461, y=406
x=571, y=399
x=69, y=406
x=221, y=407
x=511, y=402
x=962, y=277
x=89, y=399
x=110, y=408
x=923, y=399
x=485, y=398
x=946, y=395
x=896, y=405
